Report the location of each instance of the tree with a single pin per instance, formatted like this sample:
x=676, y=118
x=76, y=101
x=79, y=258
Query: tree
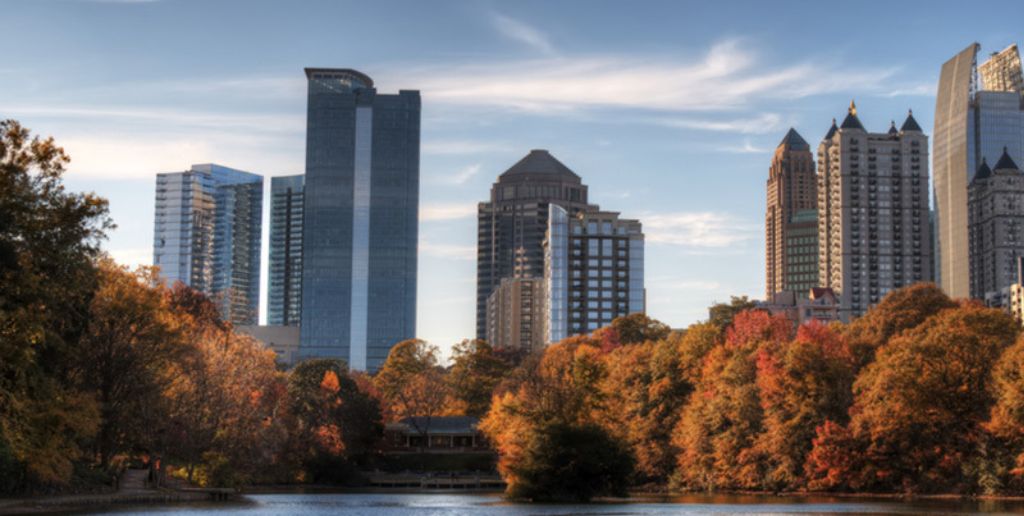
x=130, y=349
x=919, y=407
x=49, y=239
x=412, y=384
x=722, y=314
x=563, y=462
x=475, y=374
x=634, y=329
x=335, y=424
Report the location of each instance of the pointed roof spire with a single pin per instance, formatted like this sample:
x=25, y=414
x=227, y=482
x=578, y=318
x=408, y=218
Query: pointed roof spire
x=892, y=128
x=832, y=130
x=983, y=171
x=539, y=162
x=851, y=121
x=1005, y=162
x=910, y=124
x=793, y=140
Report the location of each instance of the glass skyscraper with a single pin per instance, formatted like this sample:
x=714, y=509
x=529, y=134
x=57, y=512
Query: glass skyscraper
x=284, y=300
x=974, y=120
x=207, y=232
x=360, y=222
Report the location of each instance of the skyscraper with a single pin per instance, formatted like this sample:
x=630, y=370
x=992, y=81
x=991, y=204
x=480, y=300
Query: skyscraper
x=284, y=299
x=791, y=219
x=511, y=226
x=593, y=271
x=360, y=218
x=515, y=314
x=873, y=231
x=995, y=200
x=972, y=122
x=207, y=232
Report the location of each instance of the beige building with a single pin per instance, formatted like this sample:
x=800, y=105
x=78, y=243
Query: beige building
x=284, y=340
x=817, y=304
x=1002, y=71
x=515, y=314
x=873, y=212
x=995, y=202
x=791, y=251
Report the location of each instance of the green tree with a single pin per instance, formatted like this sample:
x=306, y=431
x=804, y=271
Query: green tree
x=49, y=239
x=475, y=374
x=722, y=314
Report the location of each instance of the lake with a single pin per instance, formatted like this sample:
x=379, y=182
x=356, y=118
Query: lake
x=451, y=504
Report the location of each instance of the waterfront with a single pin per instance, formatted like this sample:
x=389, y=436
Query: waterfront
x=481, y=504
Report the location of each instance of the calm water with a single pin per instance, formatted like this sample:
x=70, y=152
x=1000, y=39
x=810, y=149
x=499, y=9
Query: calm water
x=481, y=504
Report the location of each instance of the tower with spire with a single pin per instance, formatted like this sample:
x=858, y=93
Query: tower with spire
x=791, y=251
x=995, y=229
x=873, y=213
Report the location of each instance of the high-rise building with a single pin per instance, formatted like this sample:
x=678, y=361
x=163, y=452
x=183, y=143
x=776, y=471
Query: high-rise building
x=873, y=230
x=515, y=314
x=995, y=200
x=511, y=226
x=284, y=298
x=791, y=228
x=972, y=122
x=593, y=271
x=207, y=232
x=360, y=218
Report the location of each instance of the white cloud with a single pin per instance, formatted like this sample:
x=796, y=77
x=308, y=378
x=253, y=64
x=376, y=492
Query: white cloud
x=728, y=76
x=919, y=90
x=760, y=124
x=132, y=257
x=460, y=147
x=463, y=175
x=700, y=230
x=746, y=148
x=262, y=122
x=521, y=32
x=447, y=211
x=448, y=251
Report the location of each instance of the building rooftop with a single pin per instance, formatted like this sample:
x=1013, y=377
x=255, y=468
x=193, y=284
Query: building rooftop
x=910, y=124
x=340, y=73
x=983, y=171
x=441, y=425
x=540, y=162
x=1005, y=162
x=832, y=130
x=851, y=121
x=794, y=141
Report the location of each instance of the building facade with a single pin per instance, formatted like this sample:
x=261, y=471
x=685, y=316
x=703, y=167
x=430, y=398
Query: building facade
x=512, y=224
x=593, y=271
x=790, y=221
x=515, y=314
x=284, y=298
x=207, y=234
x=873, y=216
x=817, y=304
x=360, y=218
x=995, y=201
x=974, y=120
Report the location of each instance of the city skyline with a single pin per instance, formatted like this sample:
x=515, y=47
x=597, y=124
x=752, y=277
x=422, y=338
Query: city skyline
x=678, y=138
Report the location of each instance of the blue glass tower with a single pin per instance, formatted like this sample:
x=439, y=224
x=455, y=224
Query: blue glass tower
x=360, y=223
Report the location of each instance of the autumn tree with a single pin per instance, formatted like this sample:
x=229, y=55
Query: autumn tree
x=49, y=239
x=633, y=329
x=412, y=384
x=1006, y=423
x=722, y=314
x=475, y=373
x=919, y=407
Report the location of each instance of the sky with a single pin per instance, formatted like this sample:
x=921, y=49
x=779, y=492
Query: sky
x=669, y=111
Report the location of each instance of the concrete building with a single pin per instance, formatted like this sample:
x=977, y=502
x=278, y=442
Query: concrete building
x=515, y=314
x=791, y=250
x=593, y=271
x=360, y=218
x=817, y=304
x=284, y=298
x=283, y=340
x=207, y=233
x=511, y=225
x=995, y=201
x=972, y=122
x=873, y=227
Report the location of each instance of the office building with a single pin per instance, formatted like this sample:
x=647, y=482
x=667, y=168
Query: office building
x=791, y=229
x=207, y=234
x=995, y=201
x=873, y=229
x=972, y=122
x=593, y=271
x=515, y=314
x=511, y=225
x=360, y=218
x=284, y=298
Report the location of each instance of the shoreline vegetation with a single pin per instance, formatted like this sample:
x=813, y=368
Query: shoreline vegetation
x=104, y=368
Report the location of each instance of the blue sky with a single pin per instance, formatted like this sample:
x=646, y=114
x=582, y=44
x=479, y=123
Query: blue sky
x=668, y=110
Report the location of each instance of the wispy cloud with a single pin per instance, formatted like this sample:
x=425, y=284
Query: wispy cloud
x=745, y=148
x=920, y=90
x=463, y=175
x=518, y=31
x=759, y=124
x=728, y=76
x=449, y=251
x=698, y=229
x=261, y=122
x=447, y=211
x=460, y=147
